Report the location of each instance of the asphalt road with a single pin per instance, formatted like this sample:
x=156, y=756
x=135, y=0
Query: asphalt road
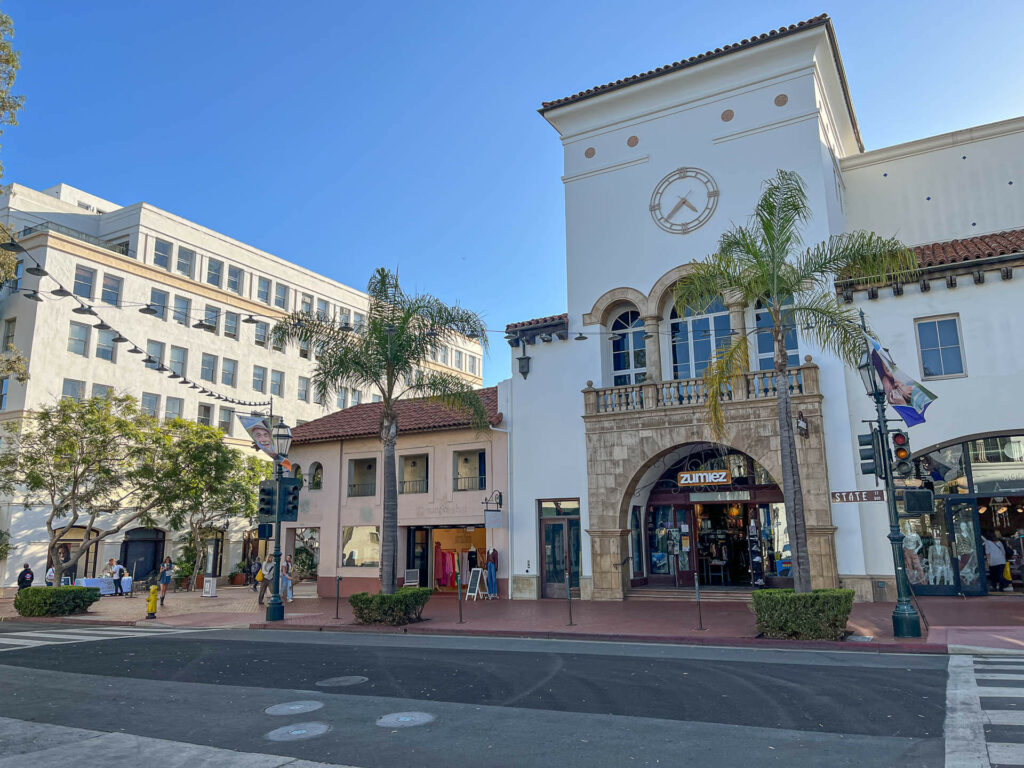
x=494, y=702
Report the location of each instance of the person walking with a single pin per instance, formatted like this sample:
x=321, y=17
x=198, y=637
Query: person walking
x=166, y=572
x=254, y=570
x=286, y=577
x=995, y=557
x=268, y=576
x=25, y=578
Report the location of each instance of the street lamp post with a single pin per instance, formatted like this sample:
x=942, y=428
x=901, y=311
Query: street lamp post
x=282, y=435
x=906, y=622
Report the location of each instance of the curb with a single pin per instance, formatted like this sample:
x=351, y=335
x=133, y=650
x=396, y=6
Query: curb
x=71, y=621
x=736, y=642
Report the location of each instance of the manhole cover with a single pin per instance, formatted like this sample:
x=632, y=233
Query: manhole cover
x=405, y=719
x=341, y=682
x=294, y=708
x=298, y=731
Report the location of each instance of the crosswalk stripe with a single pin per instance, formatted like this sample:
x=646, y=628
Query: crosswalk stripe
x=1016, y=693
x=56, y=635
x=17, y=642
x=1004, y=716
x=1006, y=754
x=997, y=676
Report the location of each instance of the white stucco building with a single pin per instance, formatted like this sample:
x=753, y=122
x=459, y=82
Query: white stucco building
x=606, y=405
x=152, y=277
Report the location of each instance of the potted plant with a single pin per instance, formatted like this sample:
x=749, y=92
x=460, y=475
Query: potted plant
x=183, y=573
x=237, y=574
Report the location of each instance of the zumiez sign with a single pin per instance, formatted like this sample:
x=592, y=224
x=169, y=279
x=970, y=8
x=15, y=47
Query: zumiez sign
x=705, y=477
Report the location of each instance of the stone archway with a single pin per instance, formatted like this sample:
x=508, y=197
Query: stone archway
x=623, y=444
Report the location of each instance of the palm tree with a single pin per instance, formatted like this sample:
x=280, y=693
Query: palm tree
x=388, y=354
x=766, y=263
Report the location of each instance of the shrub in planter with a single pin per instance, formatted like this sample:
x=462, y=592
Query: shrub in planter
x=817, y=615
x=403, y=607
x=55, y=601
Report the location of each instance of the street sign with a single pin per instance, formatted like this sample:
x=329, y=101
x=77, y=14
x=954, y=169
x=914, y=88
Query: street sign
x=841, y=497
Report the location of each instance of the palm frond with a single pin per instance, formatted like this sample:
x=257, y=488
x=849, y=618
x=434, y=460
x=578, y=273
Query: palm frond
x=453, y=393
x=860, y=256
x=729, y=366
x=832, y=326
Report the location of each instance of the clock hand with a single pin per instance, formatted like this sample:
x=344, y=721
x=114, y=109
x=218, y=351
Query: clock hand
x=675, y=210
x=689, y=205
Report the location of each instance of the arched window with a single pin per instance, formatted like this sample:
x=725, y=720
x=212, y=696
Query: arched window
x=297, y=473
x=629, y=349
x=696, y=337
x=765, y=342
x=316, y=476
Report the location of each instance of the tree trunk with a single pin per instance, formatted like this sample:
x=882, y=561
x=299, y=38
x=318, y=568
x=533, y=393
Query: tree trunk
x=389, y=532
x=792, y=492
x=199, y=559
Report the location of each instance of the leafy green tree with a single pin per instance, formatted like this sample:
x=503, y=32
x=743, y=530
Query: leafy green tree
x=202, y=484
x=766, y=261
x=389, y=354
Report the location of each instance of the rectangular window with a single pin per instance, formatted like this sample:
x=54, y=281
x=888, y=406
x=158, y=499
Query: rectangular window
x=73, y=389
x=14, y=284
x=259, y=378
x=105, y=349
x=212, y=318
x=208, y=369
x=263, y=289
x=102, y=390
x=472, y=364
x=231, y=325
x=8, y=341
x=277, y=383
x=78, y=339
x=342, y=397
x=214, y=272
x=229, y=372
x=323, y=309
x=186, y=262
x=85, y=279
x=236, y=280
x=205, y=416
x=3, y=393
x=318, y=399
x=443, y=355
x=179, y=360
x=111, y=293
x=150, y=404
x=281, y=296
x=360, y=545
x=344, y=315
x=175, y=408
x=262, y=333
x=123, y=248
x=766, y=344
x=162, y=254
x=306, y=303
x=359, y=322
x=375, y=398
x=469, y=470
x=304, y=349
x=182, y=309
x=458, y=359
x=938, y=344
x=159, y=300
x=356, y=397
x=155, y=353
x=227, y=416
x=277, y=344
x=304, y=389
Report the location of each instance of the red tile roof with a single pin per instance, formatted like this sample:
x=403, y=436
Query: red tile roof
x=700, y=58
x=971, y=248
x=537, y=322
x=414, y=415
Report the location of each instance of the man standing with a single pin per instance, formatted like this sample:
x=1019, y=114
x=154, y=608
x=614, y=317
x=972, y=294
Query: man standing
x=117, y=575
x=268, y=576
x=286, y=578
x=25, y=578
x=995, y=556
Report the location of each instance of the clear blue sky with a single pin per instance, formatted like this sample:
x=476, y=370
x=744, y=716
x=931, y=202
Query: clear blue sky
x=346, y=136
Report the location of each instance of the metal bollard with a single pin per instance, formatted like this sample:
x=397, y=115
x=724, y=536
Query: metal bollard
x=337, y=595
x=458, y=593
x=568, y=594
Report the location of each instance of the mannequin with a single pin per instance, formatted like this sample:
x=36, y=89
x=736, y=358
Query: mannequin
x=940, y=570
x=911, y=547
x=492, y=573
x=471, y=559
x=966, y=547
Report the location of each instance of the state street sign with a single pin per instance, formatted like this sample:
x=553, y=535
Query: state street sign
x=704, y=477
x=839, y=497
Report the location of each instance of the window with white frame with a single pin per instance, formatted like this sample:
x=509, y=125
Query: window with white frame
x=356, y=397
x=939, y=347
x=263, y=289
x=182, y=310
x=277, y=383
x=304, y=389
x=323, y=309
x=174, y=409
x=154, y=354
x=179, y=360
x=306, y=303
x=229, y=372
x=111, y=292
x=766, y=340
x=281, y=296
x=696, y=337
x=227, y=418
x=85, y=280
x=102, y=390
x=458, y=359
x=159, y=300
x=208, y=368
x=262, y=331
x=105, y=347
x=78, y=339
x=186, y=262
x=73, y=390
x=629, y=349
x=3, y=393
x=8, y=341
x=259, y=378
x=162, y=254
x=304, y=349
x=342, y=397
x=150, y=404
x=212, y=318
x=236, y=279
x=231, y=320
x=214, y=272
x=205, y=415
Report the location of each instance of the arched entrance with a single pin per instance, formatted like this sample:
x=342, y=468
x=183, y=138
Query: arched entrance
x=141, y=551
x=709, y=514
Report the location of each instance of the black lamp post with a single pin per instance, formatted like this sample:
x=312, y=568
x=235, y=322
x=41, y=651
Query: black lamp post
x=905, y=620
x=282, y=436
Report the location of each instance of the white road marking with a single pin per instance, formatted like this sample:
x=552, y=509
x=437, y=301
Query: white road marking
x=964, y=727
x=1005, y=693
x=1005, y=717
x=998, y=676
x=18, y=640
x=1006, y=754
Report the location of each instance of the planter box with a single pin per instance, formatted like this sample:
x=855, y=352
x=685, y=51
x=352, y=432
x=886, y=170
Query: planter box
x=238, y=580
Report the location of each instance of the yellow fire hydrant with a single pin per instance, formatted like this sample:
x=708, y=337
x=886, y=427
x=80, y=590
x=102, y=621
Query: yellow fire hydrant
x=151, y=603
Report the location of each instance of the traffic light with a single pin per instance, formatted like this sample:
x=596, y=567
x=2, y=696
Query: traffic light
x=265, y=531
x=268, y=497
x=870, y=453
x=901, y=466
x=290, y=499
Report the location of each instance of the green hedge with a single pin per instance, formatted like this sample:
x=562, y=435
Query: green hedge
x=403, y=607
x=55, y=601
x=817, y=615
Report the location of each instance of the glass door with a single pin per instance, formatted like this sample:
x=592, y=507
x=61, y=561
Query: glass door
x=963, y=521
x=561, y=549
x=928, y=552
x=684, y=543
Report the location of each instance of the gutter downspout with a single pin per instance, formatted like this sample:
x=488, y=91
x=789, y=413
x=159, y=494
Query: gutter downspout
x=508, y=460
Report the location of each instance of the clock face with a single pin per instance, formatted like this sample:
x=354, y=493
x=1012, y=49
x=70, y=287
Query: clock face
x=684, y=200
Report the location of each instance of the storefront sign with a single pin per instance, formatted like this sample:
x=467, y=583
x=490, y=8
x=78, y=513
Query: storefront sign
x=840, y=497
x=705, y=477
x=721, y=496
